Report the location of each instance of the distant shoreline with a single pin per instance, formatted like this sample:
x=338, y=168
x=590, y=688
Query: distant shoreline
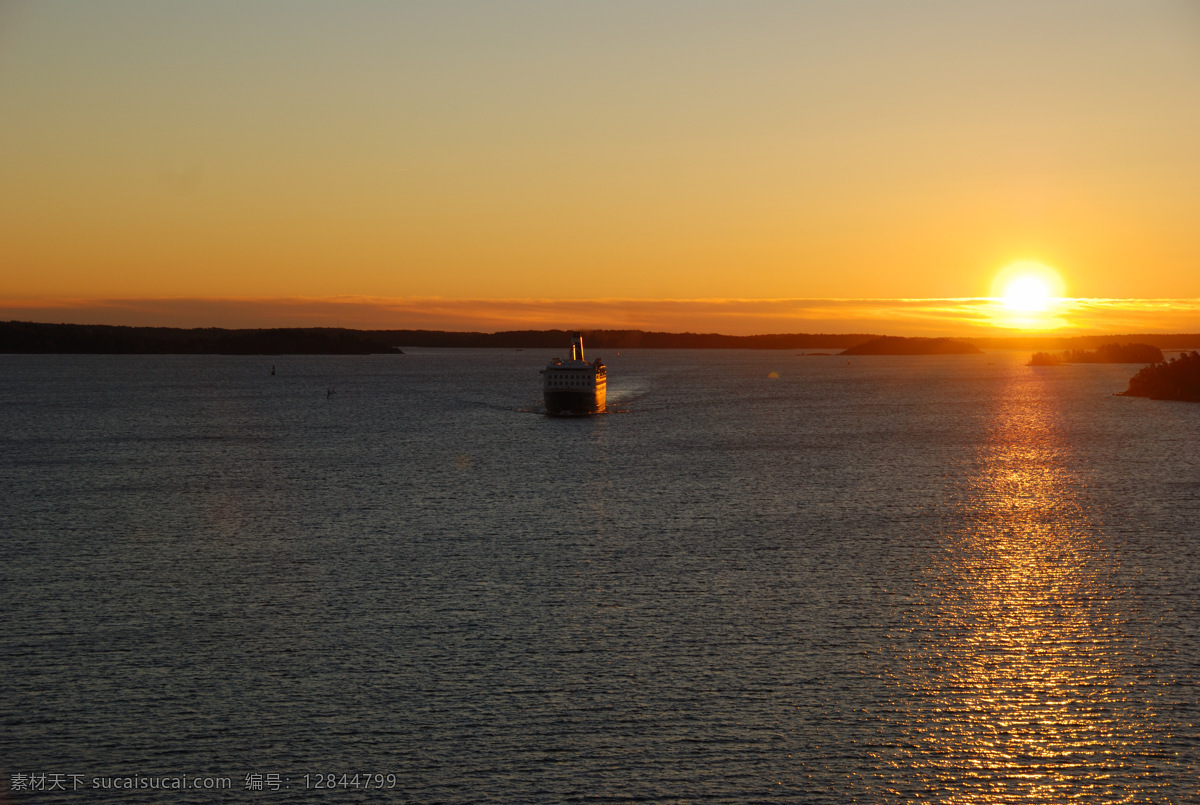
x=96, y=339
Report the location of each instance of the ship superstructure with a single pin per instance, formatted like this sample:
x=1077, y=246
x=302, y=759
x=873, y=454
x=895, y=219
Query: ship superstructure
x=575, y=386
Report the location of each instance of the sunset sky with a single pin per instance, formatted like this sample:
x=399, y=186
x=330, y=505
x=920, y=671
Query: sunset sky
x=738, y=167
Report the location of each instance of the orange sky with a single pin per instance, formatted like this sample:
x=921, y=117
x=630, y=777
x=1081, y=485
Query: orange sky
x=738, y=167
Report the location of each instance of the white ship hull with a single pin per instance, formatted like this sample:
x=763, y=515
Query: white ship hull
x=575, y=387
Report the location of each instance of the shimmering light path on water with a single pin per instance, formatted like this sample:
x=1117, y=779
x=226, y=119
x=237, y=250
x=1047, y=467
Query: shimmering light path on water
x=954, y=579
x=1028, y=665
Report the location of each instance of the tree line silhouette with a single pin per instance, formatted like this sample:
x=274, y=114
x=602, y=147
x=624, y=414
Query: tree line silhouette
x=32, y=337
x=1105, y=353
x=97, y=339
x=37, y=337
x=1176, y=379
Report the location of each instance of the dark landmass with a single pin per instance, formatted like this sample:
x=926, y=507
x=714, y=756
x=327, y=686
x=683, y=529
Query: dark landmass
x=1176, y=379
x=620, y=339
x=894, y=345
x=1061, y=343
x=1106, y=353
x=96, y=339
x=31, y=337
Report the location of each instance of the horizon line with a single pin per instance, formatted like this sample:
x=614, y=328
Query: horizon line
x=965, y=316
x=1014, y=336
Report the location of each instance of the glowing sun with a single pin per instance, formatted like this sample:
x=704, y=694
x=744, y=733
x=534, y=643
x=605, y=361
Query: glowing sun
x=1028, y=296
x=1027, y=287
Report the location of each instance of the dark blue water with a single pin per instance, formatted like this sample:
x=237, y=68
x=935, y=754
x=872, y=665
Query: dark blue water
x=762, y=576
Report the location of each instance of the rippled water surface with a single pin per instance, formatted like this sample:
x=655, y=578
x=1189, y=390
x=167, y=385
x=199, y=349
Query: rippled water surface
x=761, y=576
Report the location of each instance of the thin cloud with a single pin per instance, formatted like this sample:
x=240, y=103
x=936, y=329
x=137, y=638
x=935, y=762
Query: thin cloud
x=949, y=316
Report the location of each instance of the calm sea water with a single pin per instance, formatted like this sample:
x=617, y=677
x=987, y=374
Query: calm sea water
x=762, y=576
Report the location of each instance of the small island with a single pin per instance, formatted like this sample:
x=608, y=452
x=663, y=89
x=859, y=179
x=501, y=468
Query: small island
x=896, y=345
x=1105, y=353
x=1176, y=379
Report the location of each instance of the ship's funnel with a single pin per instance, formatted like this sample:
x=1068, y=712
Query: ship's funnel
x=577, y=347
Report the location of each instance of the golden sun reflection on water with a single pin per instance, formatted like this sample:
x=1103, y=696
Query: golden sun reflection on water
x=1020, y=681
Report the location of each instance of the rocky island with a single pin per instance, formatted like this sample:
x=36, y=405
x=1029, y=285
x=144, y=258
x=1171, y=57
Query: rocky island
x=1176, y=379
x=1105, y=353
x=896, y=345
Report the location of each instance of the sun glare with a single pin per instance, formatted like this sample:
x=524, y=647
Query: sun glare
x=1027, y=293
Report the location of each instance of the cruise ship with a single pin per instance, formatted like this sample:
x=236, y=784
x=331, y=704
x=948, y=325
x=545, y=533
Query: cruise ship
x=574, y=387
